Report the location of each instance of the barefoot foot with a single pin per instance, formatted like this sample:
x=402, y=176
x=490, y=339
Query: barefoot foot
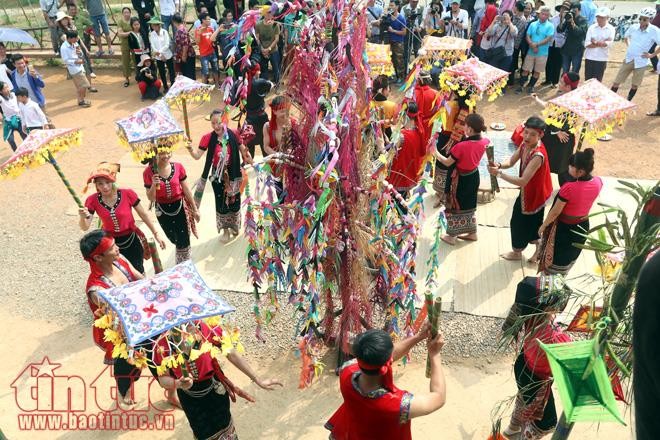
x=468, y=237
x=448, y=239
x=512, y=256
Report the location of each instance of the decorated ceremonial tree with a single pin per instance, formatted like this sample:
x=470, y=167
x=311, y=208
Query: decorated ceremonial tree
x=340, y=244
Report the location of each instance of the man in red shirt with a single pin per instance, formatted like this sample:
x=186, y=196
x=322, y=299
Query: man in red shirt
x=374, y=408
x=205, y=36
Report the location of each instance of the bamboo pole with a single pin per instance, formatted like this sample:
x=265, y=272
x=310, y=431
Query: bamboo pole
x=53, y=162
x=490, y=153
x=434, y=311
x=155, y=257
x=184, y=109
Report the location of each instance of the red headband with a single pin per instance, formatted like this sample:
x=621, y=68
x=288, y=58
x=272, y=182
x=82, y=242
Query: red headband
x=103, y=247
x=280, y=106
x=567, y=80
x=384, y=370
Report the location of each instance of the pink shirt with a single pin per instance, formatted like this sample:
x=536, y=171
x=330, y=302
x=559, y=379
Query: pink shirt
x=117, y=220
x=170, y=189
x=468, y=154
x=580, y=196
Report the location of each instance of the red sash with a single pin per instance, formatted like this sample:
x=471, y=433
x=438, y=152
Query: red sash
x=538, y=190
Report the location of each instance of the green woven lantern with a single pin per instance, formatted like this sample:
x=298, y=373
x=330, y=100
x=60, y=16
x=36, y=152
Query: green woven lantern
x=586, y=395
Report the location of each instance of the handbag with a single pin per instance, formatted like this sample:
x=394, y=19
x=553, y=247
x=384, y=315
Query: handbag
x=495, y=53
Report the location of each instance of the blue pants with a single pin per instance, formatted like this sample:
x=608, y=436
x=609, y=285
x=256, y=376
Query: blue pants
x=571, y=63
x=167, y=22
x=274, y=62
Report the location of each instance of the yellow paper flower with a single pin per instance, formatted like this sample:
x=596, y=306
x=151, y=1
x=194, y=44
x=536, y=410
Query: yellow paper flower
x=120, y=351
x=110, y=335
x=103, y=322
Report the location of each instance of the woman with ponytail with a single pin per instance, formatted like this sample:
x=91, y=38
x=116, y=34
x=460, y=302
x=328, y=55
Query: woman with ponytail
x=462, y=183
x=568, y=218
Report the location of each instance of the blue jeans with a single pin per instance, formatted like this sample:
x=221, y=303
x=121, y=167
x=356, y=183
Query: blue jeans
x=274, y=62
x=571, y=63
x=167, y=22
x=213, y=60
x=100, y=22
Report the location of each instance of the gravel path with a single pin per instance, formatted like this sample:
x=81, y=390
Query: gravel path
x=466, y=336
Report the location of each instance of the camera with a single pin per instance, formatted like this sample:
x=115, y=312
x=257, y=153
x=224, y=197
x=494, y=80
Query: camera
x=568, y=16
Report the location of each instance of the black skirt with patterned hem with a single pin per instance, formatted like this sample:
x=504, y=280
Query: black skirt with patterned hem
x=209, y=415
x=558, y=250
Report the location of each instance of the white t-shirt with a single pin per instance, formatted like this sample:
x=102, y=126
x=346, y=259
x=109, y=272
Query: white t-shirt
x=32, y=115
x=168, y=7
x=598, y=34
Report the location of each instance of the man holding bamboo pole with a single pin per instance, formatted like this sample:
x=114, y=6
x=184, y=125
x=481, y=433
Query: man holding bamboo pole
x=373, y=406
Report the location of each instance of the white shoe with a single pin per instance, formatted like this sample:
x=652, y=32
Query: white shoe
x=92, y=75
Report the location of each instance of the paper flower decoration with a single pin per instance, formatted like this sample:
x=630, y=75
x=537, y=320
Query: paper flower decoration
x=449, y=50
x=188, y=89
x=150, y=130
x=379, y=59
x=152, y=306
x=474, y=78
x=586, y=398
x=591, y=107
x=34, y=149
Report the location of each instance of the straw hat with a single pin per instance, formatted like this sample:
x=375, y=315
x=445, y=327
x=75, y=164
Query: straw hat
x=61, y=15
x=144, y=57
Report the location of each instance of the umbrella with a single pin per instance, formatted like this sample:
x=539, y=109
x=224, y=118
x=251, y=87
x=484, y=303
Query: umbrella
x=12, y=35
x=174, y=297
x=450, y=50
x=186, y=90
x=474, y=78
x=379, y=59
x=149, y=129
x=592, y=110
x=39, y=148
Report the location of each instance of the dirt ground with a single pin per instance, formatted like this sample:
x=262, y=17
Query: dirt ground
x=43, y=277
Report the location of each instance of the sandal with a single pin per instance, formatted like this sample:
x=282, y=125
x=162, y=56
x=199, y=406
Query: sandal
x=655, y=113
x=93, y=90
x=84, y=103
x=126, y=83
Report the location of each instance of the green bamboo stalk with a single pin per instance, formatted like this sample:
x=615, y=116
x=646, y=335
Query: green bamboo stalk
x=53, y=162
x=434, y=312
